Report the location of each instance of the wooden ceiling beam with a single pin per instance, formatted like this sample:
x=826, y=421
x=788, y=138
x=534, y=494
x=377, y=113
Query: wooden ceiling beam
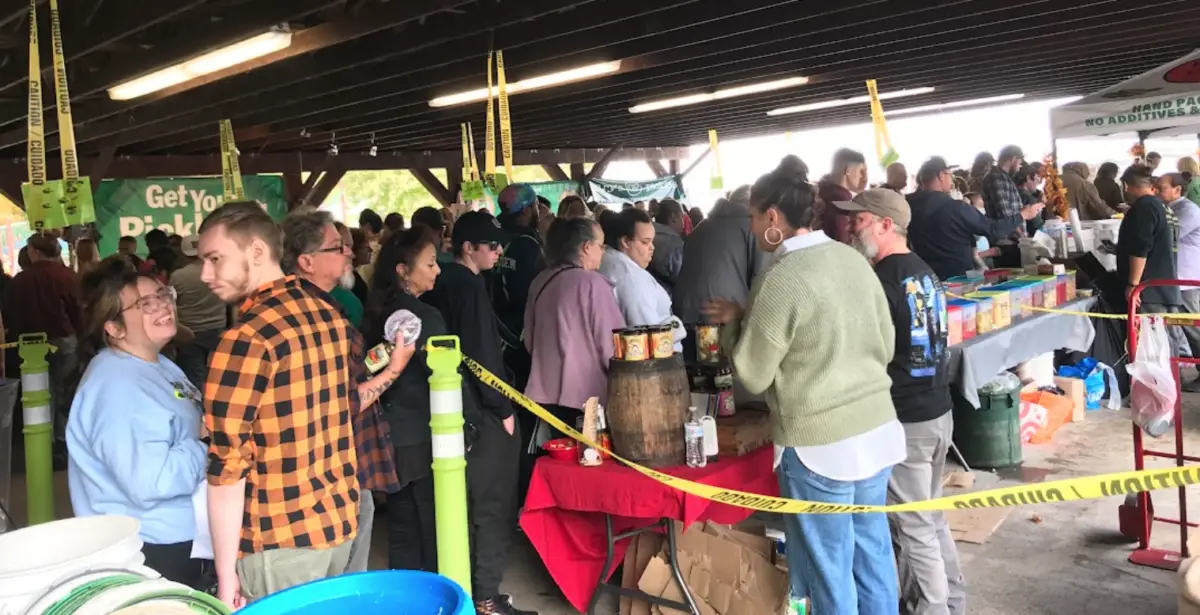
x=434, y=186
x=555, y=172
x=228, y=98
x=663, y=69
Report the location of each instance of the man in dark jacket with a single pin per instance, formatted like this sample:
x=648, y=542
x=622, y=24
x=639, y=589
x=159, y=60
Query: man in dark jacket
x=943, y=229
x=461, y=295
x=514, y=273
x=720, y=258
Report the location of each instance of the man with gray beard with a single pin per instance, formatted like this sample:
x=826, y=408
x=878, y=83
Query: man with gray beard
x=931, y=581
x=320, y=252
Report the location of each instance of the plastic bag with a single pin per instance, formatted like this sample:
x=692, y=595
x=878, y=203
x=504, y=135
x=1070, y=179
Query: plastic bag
x=1152, y=386
x=1094, y=375
x=1002, y=383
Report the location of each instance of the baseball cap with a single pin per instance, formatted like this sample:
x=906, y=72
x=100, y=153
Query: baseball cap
x=882, y=202
x=1010, y=152
x=477, y=227
x=932, y=168
x=515, y=198
x=190, y=246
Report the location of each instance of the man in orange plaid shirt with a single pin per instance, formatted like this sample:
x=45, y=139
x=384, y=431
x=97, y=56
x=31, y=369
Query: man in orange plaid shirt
x=283, y=497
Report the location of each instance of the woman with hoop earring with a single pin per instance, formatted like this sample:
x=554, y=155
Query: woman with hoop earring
x=816, y=337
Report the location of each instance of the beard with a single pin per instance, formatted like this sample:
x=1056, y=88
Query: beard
x=347, y=280
x=865, y=244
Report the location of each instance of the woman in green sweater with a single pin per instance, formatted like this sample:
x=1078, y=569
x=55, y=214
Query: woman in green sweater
x=816, y=338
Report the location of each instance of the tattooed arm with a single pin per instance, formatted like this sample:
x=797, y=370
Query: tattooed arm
x=370, y=391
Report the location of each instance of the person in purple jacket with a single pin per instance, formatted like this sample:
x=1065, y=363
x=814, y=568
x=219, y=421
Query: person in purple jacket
x=569, y=320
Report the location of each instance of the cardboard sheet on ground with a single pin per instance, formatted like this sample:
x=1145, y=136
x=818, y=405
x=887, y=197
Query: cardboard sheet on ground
x=975, y=525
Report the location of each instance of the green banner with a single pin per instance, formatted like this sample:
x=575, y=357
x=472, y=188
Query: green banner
x=177, y=205
x=611, y=191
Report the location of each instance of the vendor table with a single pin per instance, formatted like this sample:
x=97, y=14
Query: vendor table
x=978, y=360
x=573, y=514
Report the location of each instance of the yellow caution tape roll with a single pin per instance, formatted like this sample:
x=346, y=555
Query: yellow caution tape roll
x=883, y=143
x=1070, y=490
x=37, y=127
x=231, y=168
x=466, y=153
x=506, y=142
x=474, y=157
x=718, y=176
x=489, y=146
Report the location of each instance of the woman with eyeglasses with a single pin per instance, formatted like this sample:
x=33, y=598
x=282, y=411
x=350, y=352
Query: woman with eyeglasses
x=569, y=320
x=135, y=425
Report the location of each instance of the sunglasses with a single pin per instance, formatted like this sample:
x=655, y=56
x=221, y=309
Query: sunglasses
x=156, y=303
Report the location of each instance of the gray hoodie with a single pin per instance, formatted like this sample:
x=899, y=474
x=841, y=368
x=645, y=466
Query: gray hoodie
x=720, y=258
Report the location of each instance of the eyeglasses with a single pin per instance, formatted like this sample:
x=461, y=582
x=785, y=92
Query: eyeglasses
x=340, y=248
x=491, y=245
x=156, y=303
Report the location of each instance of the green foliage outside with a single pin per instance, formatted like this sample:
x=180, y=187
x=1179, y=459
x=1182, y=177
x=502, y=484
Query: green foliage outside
x=398, y=191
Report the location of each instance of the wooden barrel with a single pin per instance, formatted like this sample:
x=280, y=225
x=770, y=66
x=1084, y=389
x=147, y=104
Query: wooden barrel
x=647, y=407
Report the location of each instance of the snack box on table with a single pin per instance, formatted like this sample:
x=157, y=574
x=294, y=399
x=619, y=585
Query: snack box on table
x=967, y=310
x=1054, y=289
x=985, y=315
x=1022, y=296
x=1000, y=276
x=1001, y=306
x=964, y=284
x=954, y=324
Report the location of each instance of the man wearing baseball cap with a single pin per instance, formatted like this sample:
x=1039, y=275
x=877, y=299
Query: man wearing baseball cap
x=931, y=579
x=461, y=295
x=943, y=229
x=521, y=263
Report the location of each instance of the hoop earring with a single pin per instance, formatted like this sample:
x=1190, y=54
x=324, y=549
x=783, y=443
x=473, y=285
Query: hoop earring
x=767, y=236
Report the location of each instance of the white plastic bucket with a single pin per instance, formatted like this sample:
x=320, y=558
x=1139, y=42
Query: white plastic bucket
x=34, y=558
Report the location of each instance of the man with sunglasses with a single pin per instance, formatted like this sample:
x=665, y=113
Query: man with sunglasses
x=943, y=229
x=492, y=461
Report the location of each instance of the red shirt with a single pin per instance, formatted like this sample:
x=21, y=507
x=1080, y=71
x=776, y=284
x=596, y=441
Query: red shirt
x=45, y=298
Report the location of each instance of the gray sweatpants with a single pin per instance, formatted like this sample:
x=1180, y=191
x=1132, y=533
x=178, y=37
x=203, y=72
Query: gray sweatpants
x=360, y=550
x=1191, y=305
x=931, y=580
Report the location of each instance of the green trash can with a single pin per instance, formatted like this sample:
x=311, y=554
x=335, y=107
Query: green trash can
x=989, y=436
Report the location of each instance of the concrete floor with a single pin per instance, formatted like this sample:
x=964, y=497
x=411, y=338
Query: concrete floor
x=1072, y=562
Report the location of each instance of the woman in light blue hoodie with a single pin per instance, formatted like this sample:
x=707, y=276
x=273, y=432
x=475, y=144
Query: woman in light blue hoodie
x=630, y=247
x=133, y=437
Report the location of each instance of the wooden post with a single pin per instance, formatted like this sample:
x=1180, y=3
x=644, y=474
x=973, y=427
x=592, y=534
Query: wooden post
x=657, y=167
x=453, y=183
x=293, y=190
x=433, y=185
x=577, y=173
x=555, y=172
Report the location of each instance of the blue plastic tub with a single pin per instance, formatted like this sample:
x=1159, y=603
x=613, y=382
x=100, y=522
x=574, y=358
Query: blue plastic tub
x=366, y=593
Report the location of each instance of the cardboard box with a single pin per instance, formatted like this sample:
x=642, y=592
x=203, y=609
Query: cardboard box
x=1076, y=391
x=727, y=572
x=744, y=432
x=642, y=549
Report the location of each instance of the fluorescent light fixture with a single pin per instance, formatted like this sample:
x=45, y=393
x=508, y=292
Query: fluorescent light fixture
x=581, y=73
x=843, y=102
x=955, y=105
x=744, y=90
x=211, y=62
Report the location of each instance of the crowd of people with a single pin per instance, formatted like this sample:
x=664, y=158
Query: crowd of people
x=242, y=350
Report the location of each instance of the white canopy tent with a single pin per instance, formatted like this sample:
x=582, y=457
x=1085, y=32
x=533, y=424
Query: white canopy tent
x=1164, y=102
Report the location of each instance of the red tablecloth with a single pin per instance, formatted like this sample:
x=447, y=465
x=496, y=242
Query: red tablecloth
x=564, y=510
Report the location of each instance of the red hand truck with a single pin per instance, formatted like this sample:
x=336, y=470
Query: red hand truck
x=1137, y=513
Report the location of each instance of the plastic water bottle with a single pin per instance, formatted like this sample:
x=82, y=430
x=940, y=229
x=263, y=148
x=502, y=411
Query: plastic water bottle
x=693, y=436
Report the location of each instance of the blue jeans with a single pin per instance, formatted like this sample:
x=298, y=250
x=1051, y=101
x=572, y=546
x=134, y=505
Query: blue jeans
x=843, y=563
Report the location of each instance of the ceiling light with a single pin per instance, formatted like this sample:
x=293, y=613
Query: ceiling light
x=955, y=105
x=744, y=90
x=211, y=62
x=581, y=73
x=843, y=102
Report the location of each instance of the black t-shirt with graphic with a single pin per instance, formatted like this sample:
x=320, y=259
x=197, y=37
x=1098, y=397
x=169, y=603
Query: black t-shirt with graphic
x=920, y=370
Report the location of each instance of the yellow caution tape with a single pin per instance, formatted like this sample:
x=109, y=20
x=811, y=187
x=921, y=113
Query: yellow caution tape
x=506, y=142
x=718, y=176
x=1069, y=490
x=466, y=153
x=489, y=146
x=231, y=172
x=77, y=206
x=883, y=143
x=474, y=158
x=36, y=151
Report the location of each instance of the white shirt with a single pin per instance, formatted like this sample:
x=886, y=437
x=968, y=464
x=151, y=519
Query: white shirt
x=857, y=457
x=642, y=300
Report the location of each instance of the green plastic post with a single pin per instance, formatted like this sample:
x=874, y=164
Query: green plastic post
x=39, y=426
x=443, y=357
